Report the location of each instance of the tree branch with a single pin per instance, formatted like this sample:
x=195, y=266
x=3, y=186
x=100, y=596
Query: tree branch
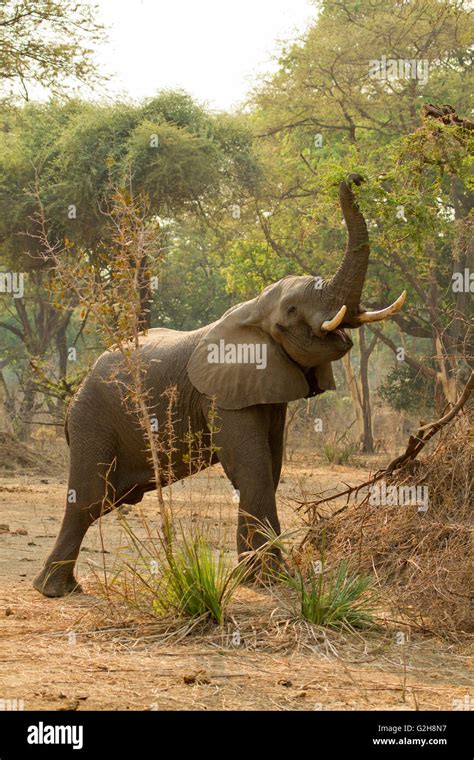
x=426, y=371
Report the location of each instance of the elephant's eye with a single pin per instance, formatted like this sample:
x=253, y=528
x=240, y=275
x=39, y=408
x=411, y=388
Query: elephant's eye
x=291, y=310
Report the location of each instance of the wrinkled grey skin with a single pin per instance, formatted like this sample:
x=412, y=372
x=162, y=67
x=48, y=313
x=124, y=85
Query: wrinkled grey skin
x=251, y=403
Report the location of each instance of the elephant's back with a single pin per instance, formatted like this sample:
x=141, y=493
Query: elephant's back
x=164, y=340
x=158, y=346
x=163, y=354
x=165, y=336
x=166, y=353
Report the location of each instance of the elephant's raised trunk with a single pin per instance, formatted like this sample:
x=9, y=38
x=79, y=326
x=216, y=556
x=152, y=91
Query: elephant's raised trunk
x=349, y=279
x=346, y=285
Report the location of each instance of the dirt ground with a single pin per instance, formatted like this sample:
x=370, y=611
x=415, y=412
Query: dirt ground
x=65, y=655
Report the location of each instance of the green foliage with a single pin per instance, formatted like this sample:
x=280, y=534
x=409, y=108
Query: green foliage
x=79, y=153
x=335, y=598
x=339, y=453
x=326, y=73
x=91, y=161
x=406, y=389
x=178, y=108
x=197, y=580
x=181, y=168
x=47, y=42
x=193, y=289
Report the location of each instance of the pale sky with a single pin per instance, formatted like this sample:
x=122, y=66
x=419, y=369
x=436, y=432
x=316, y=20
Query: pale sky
x=213, y=49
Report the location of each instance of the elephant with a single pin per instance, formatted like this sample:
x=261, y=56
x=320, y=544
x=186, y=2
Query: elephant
x=260, y=355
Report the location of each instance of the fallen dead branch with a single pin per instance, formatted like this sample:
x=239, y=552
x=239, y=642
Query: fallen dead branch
x=417, y=442
x=415, y=445
x=421, y=558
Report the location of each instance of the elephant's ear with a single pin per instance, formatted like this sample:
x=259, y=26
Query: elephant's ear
x=324, y=378
x=241, y=365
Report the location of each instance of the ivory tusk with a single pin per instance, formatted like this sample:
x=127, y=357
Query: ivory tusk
x=331, y=324
x=377, y=316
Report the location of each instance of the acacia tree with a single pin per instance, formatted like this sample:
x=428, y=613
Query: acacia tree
x=323, y=112
x=72, y=157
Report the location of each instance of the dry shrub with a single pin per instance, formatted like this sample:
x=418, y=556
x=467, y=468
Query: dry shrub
x=34, y=457
x=15, y=454
x=422, y=559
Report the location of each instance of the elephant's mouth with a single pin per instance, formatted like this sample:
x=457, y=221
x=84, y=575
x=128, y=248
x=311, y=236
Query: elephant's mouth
x=338, y=338
x=341, y=335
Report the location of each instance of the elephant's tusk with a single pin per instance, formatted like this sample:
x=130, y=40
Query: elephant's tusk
x=332, y=324
x=377, y=316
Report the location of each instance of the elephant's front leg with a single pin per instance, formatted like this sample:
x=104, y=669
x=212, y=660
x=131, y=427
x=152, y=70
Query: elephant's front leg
x=244, y=450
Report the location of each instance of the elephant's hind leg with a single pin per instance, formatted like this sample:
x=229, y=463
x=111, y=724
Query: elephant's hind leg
x=90, y=494
x=57, y=576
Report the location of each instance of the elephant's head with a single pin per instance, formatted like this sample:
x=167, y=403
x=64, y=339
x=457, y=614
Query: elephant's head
x=279, y=346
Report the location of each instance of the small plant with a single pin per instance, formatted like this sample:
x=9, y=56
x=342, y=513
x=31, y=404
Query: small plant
x=334, y=598
x=197, y=581
x=339, y=454
x=405, y=388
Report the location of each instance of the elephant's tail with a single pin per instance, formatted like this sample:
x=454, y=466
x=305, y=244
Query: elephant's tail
x=66, y=432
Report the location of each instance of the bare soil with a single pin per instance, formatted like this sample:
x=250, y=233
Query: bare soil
x=64, y=655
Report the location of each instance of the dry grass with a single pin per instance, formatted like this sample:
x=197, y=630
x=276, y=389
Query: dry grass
x=278, y=663
x=422, y=559
x=88, y=652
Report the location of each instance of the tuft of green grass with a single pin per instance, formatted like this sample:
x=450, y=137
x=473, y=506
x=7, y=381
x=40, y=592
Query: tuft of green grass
x=339, y=454
x=197, y=581
x=335, y=598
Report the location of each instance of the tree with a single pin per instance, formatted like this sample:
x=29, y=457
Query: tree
x=328, y=108
x=47, y=43
x=329, y=82
x=69, y=159
x=424, y=233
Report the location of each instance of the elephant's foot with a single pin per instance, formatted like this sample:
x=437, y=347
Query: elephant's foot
x=54, y=583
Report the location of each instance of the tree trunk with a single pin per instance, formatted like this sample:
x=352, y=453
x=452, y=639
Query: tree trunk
x=355, y=393
x=361, y=395
x=6, y=405
x=364, y=354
